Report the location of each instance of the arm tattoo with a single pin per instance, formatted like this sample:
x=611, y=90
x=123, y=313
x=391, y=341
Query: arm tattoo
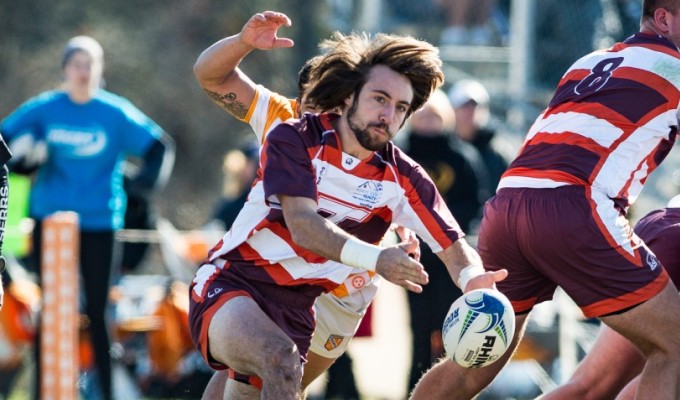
x=229, y=103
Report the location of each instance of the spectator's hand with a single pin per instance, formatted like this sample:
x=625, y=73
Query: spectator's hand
x=261, y=29
x=395, y=265
x=486, y=281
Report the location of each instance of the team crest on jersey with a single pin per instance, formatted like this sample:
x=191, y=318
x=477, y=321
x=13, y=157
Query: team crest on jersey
x=368, y=193
x=333, y=342
x=652, y=261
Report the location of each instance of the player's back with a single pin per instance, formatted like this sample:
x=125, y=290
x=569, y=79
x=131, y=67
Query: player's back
x=612, y=120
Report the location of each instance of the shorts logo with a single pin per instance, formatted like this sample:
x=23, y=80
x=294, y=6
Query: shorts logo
x=652, y=261
x=214, y=293
x=358, y=282
x=333, y=342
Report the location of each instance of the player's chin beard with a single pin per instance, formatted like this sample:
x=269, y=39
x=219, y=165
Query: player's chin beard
x=363, y=135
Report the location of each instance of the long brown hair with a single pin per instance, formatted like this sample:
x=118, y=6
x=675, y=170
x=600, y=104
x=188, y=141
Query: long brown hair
x=345, y=66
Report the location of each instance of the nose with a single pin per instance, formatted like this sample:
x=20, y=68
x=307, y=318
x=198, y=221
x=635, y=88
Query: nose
x=388, y=114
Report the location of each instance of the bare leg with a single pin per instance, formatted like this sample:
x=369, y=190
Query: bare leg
x=215, y=387
x=316, y=365
x=628, y=393
x=449, y=381
x=271, y=354
x=652, y=327
x=594, y=377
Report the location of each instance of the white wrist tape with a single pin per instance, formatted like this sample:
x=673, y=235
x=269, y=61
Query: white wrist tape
x=468, y=273
x=357, y=253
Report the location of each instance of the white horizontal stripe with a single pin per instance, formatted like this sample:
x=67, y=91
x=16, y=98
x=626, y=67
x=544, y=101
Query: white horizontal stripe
x=273, y=248
x=252, y=213
x=527, y=182
x=599, y=130
x=626, y=161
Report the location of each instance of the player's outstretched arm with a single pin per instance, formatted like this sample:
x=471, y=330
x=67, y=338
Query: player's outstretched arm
x=321, y=236
x=216, y=69
x=465, y=267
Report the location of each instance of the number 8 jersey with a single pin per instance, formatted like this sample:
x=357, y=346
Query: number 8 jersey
x=611, y=122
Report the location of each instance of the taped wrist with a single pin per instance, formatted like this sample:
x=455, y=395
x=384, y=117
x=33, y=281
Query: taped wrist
x=468, y=273
x=359, y=254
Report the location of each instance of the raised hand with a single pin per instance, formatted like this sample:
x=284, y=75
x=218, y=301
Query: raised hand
x=261, y=31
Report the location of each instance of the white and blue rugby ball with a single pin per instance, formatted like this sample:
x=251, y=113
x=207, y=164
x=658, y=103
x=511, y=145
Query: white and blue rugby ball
x=478, y=328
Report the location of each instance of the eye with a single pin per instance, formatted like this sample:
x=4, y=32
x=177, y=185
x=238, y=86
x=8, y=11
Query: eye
x=380, y=99
x=402, y=108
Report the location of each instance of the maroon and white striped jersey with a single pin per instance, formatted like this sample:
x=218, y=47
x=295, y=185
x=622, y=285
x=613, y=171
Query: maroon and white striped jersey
x=364, y=197
x=611, y=122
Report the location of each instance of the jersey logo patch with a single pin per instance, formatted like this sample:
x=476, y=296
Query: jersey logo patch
x=652, y=261
x=358, y=282
x=368, y=193
x=333, y=342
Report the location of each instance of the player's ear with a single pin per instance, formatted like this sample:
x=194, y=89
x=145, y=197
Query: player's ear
x=661, y=17
x=349, y=100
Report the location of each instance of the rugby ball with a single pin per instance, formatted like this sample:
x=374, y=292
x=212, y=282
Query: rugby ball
x=478, y=328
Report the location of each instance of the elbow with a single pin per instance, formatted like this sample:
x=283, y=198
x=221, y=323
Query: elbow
x=198, y=71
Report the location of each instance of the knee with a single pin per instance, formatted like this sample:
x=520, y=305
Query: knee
x=282, y=363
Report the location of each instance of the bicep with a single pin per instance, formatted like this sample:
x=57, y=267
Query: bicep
x=295, y=208
x=234, y=94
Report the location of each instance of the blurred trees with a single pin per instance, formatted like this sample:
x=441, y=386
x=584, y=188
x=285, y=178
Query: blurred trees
x=150, y=48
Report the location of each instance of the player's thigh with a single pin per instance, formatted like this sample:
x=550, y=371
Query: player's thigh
x=652, y=325
x=240, y=324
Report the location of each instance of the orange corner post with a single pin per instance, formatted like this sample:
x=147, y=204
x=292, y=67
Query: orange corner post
x=60, y=314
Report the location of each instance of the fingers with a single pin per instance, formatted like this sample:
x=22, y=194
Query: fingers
x=500, y=275
x=416, y=273
x=486, y=280
x=260, y=31
x=409, y=247
x=278, y=17
x=283, y=42
x=412, y=287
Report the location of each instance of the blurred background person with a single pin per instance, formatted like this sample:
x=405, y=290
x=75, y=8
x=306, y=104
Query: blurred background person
x=76, y=139
x=564, y=32
x=472, y=22
x=240, y=169
x=470, y=101
x=458, y=171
